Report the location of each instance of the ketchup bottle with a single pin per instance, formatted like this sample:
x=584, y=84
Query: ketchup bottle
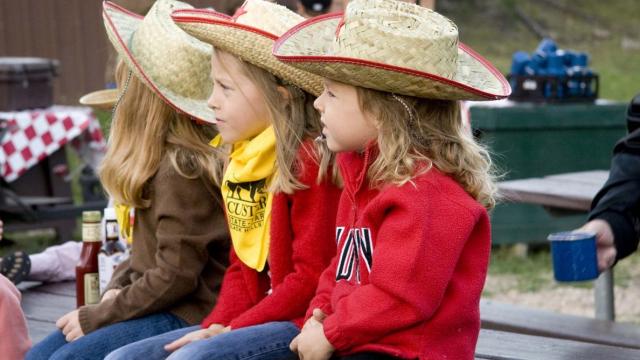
x=87, y=282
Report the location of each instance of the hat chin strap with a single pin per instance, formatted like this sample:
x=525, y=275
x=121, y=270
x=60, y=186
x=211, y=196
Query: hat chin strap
x=121, y=95
x=405, y=106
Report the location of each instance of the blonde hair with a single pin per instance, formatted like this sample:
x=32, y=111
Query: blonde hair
x=144, y=130
x=413, y=130
x=294, y=120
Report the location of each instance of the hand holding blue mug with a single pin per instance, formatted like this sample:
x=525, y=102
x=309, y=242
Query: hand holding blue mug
x=605, y=247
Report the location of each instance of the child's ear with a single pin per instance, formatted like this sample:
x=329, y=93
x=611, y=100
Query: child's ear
x=284, y=92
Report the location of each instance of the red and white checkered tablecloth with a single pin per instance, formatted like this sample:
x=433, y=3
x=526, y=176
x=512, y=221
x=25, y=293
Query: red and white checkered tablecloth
x=35, y=134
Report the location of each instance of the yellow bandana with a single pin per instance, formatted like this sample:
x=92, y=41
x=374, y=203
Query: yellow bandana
x=247, y=200
x=123, y=216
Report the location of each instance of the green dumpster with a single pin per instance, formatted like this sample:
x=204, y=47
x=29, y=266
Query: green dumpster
x=533, y=140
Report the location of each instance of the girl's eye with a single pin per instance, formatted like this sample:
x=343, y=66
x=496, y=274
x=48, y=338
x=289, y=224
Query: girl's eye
x=222, y=86
x=329, y=93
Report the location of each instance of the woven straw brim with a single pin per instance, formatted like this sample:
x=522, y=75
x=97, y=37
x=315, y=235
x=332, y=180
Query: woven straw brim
x=101, y=99
x=309, y=47
x=121, y=25
x=247, y=43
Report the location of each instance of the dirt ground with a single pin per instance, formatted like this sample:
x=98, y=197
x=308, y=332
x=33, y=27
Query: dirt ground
x=573, y=299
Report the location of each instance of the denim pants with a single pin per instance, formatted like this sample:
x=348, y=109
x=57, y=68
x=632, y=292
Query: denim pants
x=268, y=341
x=99, y=343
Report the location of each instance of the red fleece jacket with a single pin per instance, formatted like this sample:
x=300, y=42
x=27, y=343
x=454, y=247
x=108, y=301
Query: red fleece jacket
x=301, y=247
x=410, y=266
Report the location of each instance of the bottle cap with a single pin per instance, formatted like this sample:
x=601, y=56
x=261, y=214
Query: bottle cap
x=110, y=213
x=91, y=216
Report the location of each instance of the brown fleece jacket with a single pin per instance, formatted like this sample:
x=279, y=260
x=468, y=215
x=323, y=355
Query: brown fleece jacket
x=178, y=256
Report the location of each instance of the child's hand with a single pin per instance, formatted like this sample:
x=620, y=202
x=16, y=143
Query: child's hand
x=110, y=294
x=311, y=344
x=318, y=317
x=70, y=326
x=201, y=334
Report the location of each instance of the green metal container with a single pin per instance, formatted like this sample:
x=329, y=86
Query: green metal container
x=534, y=140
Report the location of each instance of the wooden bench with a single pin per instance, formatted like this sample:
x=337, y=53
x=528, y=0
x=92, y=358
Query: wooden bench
x=44, y=304
x=502, y=345
x=570, y=191
x=518, y=319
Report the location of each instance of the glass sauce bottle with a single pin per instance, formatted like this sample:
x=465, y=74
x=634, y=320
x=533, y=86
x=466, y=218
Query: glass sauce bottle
x=87, y=282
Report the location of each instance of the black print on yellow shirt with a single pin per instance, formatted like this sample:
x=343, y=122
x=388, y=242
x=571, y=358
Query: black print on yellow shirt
x=246, y=203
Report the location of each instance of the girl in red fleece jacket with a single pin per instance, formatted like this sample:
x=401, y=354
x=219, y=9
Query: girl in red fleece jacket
x=412, y=229
x=279, y=195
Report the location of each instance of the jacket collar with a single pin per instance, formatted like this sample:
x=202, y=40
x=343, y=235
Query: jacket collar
x=354, y=166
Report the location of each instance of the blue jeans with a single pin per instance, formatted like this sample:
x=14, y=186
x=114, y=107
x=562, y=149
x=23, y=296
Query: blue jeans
x=268, y=341
x=99, y=343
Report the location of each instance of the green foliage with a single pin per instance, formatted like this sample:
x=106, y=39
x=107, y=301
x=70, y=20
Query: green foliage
x=30, y=241
x=104, y=117
x=531, y=271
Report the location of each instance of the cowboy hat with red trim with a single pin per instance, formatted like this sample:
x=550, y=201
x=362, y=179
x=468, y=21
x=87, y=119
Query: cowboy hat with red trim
x=174, y=65
x=395, y=47
x=250, y=35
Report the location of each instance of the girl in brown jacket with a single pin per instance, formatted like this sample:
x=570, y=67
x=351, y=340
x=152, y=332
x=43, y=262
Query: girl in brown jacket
x=160, y=164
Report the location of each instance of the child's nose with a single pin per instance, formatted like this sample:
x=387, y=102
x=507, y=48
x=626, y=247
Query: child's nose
x=212, y=103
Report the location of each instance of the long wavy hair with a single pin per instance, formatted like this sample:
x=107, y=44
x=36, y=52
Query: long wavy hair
x=415, y=130
x=144, y=130
x=294, y=120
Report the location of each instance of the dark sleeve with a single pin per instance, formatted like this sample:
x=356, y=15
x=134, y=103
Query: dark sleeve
x=618, y=202
x=183, y=210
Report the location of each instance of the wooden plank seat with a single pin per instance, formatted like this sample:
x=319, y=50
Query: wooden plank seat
x=502, y=345
x=518, y=319
x=44, y=304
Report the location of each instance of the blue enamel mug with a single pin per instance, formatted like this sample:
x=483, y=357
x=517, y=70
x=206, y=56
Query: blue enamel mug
x=574, y=256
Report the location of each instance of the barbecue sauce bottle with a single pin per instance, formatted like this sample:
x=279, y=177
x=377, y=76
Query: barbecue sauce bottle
x=87, y=282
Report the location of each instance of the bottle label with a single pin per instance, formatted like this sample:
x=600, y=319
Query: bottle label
x=107, y=264
x=91, y=232
x=91, y=289
x=111, y=229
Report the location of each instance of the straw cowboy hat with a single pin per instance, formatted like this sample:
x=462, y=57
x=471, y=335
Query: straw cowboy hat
x=395, y=47
x=250, y=35
x=171, y=63
x=101, y=99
